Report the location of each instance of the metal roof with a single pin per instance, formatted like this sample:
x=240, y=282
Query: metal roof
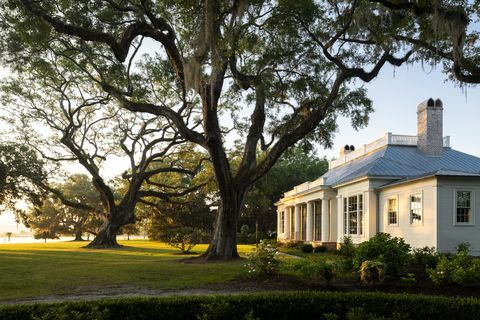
x=403, y=162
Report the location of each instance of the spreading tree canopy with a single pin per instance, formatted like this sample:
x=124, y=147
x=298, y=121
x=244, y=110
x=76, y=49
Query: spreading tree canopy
x=269, y=73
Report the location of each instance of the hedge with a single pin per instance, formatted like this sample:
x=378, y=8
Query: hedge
x=291, y=305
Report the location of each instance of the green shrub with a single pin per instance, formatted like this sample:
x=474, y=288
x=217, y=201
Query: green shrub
x=320, y=249
x=394, y=252
x=372, y=272
x=347, y=248
x=455, y=269
x=262, y=262
x=409, y=279
x=426, y=257
x=314, y=269
x=463, y=247
x=307, y=248
x=281, y=306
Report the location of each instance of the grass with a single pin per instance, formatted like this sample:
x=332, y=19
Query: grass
x=29, y=270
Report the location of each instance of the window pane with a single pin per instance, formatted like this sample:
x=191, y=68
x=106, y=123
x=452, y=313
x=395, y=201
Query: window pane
x=416, y=209
x=392, y=211
x=463, y=214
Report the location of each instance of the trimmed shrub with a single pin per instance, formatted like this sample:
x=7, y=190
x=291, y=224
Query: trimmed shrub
x=307, y=248
x=262, y=262
x=281, y=306
x=394, y=252
x=372, y=272
x=320, y=249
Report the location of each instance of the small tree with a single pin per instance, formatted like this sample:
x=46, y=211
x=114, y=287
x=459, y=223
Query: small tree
x=183, y=238
x=45, y=221
x=8, y=234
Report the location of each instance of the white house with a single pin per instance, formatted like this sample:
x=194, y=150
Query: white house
x=414, y=187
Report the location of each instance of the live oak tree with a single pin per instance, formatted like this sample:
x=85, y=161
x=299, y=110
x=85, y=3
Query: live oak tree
x=65, y=120
x=45, y=221
x=270, y=73
x=442, y=32
x=79, y=188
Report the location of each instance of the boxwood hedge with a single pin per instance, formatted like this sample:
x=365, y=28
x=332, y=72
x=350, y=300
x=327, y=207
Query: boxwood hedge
x=288, y=305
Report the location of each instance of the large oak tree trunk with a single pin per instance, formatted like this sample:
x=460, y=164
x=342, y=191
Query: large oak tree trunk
x=78, y=235
x=107, y=236
x=224, y=242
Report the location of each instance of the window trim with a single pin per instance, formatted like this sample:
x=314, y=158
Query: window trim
x=421, y=208
x=387, y=215
x=360, y=225
x=472, y=208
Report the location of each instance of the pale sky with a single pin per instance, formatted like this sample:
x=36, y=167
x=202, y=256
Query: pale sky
x=396, y=94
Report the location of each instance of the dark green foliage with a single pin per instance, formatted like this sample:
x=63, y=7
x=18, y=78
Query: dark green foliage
x=295, y=305
x=460, y=268
x=320, y=249
x=307, y=248
x=426, y=257
x=20, y=171
x=314, y=268
x=394, y=252
x=347, y=250
x=294, y=167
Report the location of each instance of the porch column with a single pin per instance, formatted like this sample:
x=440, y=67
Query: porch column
x=297, y=222
x=279, y=221
x=309, y=221
x=325, y=221
x=287, y=223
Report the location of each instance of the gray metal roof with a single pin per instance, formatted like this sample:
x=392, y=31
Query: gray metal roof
x=404, y=162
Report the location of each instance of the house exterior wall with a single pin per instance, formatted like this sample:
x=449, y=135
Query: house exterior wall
x=450, y=234
x=420, y=235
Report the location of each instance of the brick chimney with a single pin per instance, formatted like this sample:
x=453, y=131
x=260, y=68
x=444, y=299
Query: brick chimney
x=430, y=127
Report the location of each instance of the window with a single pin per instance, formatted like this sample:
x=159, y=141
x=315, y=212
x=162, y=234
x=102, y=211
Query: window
x=463, y=212
x=392, y=214
x=416, y=208
x=353, y=215
x=318, y=220
x=282, y=222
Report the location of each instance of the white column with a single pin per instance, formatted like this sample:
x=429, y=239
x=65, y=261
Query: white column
x=309, y=221
x=287, y=223
x=325, y=221
x=297, y=222
x=279, y=221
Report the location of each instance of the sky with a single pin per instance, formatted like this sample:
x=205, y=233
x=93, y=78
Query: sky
x=395, y=94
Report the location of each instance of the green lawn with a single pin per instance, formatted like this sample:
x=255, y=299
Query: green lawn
x=28, y=270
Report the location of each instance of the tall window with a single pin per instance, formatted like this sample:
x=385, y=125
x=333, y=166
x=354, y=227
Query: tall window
x=282, y=222
x=303, y=219
x=416, y=214
x=318, y=220
x=353, y=215
x=392, y=211
x=463, y=207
